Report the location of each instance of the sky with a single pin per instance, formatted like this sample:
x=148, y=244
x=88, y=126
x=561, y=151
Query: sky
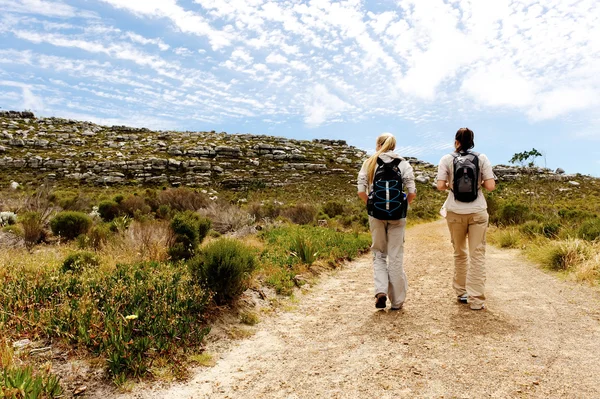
x=521, y=74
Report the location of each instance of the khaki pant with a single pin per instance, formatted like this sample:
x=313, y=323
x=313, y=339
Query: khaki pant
x=469, y=271
x=388, y=256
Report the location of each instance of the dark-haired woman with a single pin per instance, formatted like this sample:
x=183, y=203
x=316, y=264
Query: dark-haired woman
x=387, y=235
x=467, y=221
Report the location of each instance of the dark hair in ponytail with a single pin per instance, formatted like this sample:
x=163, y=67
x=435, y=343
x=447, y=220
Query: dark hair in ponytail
x=465, y=137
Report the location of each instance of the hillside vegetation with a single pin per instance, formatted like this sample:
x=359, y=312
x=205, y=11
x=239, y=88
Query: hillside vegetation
x=120, y=246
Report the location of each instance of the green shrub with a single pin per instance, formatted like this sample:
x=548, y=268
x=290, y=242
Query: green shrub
x=13, y=229
x=576, y=214
x=79, y=261
x=301, y=213
x=565, y=254
x=551, y=229
x=164, y=212
x=224, y=267
x=507, y=239
x=532, y=228
x=333, y=208
x=268, y=210
x=70, y=224
x=129, y=315
x=189, y=230
x=589, y=230
x=118, y=198
x=70, y=200
x=108, y=210
x=21, y=382
x=511, y=213
x=304, y=250
x=33, y=228
x=98, y=236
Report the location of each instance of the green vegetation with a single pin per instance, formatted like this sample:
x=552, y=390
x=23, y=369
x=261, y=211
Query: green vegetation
x=189, y=229
x=224, y=268
x=555, y=223
x=526, y=156
x=70, y=224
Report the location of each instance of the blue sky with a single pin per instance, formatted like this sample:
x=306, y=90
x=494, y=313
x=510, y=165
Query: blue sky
x=521, y=74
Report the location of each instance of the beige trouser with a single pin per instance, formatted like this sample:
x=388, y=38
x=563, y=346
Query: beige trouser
x=469, y=274
x=388, y=255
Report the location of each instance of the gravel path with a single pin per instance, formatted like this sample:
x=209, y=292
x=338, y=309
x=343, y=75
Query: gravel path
x=538, y=338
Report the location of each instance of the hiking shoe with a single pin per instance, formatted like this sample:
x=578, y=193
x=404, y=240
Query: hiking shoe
x=463, y=298
x=477, y=307
x=381, y=301
x=396, y=308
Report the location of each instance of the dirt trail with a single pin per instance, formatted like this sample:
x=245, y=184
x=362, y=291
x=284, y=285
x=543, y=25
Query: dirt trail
x=538, y=338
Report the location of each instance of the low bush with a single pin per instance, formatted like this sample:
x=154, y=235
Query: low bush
x=189, y=229
x=70, y=224
x=98, y=236
x=301, y=213
x=511, y=214
x=507, y=239
x=79, y=261
x=129, y=315
x=151, y=239
x=14, y=229
x=576, y=214
x=33, y=228
x=304, y=250
x=108, y=210
x=224, y=267
x=182, y=199
x=70, y=200
x=227, y=218
x=134, y=206
x=533, y=228
x=22, y=382
x=565, y=254
x=589, y=230
x=268, y=210
x=333, y=208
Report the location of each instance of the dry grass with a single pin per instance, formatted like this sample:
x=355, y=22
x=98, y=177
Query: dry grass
x=227, y=218
x=150, y=239
x=204, y=359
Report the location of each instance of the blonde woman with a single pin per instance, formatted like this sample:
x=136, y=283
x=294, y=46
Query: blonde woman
x=463, y=173
x=381, y=181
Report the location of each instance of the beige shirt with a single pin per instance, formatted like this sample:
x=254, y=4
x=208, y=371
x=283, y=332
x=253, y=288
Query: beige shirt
x=445, y=173
x=408, y=176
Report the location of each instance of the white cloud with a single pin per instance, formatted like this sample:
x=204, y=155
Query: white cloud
x=325, y=60
x=321, y=105
x=42, y=7
x=186, y=21
x=142, y=40
x=499, y=84
x=563, y=100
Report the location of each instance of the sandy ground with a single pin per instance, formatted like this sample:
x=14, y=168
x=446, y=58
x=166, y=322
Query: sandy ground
x=538, y=338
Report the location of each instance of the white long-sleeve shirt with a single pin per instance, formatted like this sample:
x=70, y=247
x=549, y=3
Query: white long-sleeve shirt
x=408, y=176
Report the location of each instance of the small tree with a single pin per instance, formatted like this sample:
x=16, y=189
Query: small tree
x=526, y=156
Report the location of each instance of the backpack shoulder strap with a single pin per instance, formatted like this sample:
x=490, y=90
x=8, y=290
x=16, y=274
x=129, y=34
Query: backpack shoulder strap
x=396, y=161
x=380, y=162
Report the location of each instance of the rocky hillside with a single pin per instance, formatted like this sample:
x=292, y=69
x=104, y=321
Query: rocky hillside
x=52, y=148
x=33, y=149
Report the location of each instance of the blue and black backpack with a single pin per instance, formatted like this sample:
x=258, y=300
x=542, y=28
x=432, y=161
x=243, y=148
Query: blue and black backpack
x=386, y=200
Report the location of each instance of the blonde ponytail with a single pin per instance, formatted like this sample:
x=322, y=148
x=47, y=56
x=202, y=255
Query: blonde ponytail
x=386, y=142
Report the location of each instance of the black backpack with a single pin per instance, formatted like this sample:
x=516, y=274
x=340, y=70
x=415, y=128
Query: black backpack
x=386, y=199
x=466, y=176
